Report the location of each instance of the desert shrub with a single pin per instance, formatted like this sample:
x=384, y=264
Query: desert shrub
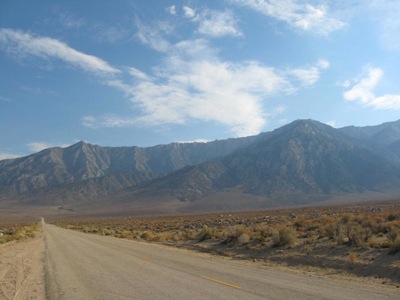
x=372, y=243
x=346, y=218
x=327, y=220
x=191, y=235
x=239, y=230
x=357, y=235
x=393, y=234
x=206, y=233
x=107, y=232
x=243, y=239
x=395, y=246
x=163, y=237
x=301, y=222
x=125, y=234
x=147, y=235
x=392, y=217
x=353, y=257
x=283, y=236
x=333, y=231
x=308, y=248
x=263, y=230
x=386, y=244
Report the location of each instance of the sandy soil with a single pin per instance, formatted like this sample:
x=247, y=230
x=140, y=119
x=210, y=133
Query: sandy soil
x=22, y=273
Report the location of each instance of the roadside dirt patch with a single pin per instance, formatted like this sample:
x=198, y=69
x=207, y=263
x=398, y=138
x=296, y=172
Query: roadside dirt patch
x=22, y=274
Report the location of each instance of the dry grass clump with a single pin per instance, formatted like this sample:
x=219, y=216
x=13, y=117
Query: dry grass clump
x=353, y=257
x=18, y=232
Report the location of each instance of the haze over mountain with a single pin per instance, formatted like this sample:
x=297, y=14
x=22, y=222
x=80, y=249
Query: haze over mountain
x=301, y=162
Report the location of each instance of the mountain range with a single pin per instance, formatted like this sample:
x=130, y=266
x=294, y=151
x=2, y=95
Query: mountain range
x=302, y=162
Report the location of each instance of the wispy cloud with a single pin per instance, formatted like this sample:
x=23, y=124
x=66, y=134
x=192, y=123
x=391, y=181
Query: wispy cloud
x=5, y=99
x=193, y=83
x=153, y=36
x=214, y=23
x=20, y=43
x=8, y=156
x=296, y=13
x=110, y=34
x=171, y=10
x=331, y=123
x=362, y=91
x=194, y=141
x=189, y=12
x=386, y=15
x=39, y=146
x=309, y=75
x=108, y=120
x=69, y=20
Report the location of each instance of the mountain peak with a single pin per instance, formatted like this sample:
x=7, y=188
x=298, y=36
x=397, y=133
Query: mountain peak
x=306, y=127
x=80, y=145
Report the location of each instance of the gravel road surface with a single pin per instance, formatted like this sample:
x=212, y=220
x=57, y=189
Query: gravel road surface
x=84, y=266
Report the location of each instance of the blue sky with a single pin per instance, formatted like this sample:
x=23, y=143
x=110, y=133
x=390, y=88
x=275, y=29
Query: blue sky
x=124, y=73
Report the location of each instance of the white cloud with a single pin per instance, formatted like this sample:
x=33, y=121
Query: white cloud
x=216, y=23
x=189, y=12
x=331, y=123
x=108, y=120
x=39, y=146
x=296, y=13
x=309, y=75
x=8, y=156
x=171, y=10
x=386, y=102
x=193, y=85
x=194, y=141
x=362, y=91
x=323, y=64
x=19, y=43
x=153, y=36
x=138, y=74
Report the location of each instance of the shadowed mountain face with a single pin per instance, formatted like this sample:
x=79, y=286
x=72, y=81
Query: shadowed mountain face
x=381, y=139
x=57, y=167
x=305, y=158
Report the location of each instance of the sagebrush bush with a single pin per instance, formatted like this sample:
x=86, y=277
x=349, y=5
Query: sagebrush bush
x=207, y=233
x=395, y=246
x=357, y=235
x=243, y=239
x=283, y=236
x=333, y=231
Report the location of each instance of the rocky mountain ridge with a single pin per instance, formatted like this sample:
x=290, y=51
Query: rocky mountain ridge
x=303, y=158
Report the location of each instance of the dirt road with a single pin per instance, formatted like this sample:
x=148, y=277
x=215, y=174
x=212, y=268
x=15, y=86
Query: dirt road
x=82, y=266
x=65, y=264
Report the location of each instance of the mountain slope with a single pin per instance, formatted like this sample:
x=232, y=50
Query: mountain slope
x=56, y=167
x=301, y=162
x=378, y=139
x=302, y=158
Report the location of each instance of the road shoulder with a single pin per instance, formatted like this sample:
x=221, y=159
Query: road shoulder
x=22, y=273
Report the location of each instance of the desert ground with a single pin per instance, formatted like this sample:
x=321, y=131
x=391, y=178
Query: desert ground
x=357, y=244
